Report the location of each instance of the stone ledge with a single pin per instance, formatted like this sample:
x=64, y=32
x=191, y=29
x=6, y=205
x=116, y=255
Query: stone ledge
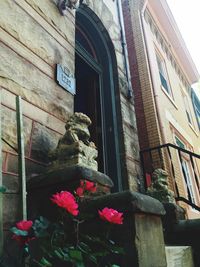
x=179, y=256
x=129, y=201
x=65, y=174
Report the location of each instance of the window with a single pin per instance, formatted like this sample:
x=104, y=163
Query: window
x=198, y=117
x=188, y=179
x=196, y=105
x=163, y=74
x=187, y=109
x=187, y=172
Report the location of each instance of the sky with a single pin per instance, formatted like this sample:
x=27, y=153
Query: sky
x=187, y=16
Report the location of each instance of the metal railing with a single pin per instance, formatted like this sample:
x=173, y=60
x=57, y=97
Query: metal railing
x=183, y=167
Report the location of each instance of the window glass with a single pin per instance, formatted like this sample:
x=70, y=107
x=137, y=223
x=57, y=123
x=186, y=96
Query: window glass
x=187, y=172
x=187, y=109
x=163, y=75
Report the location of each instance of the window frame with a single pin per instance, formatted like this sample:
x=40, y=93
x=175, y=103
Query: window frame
x=188, y=180
x=163, y=74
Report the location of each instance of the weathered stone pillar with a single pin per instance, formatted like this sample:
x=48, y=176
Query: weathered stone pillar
x=141, y=235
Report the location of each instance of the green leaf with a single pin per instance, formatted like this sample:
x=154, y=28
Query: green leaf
x=118, y=250
x=45, y=262
x=84, y=247
x=80, y=264
x=76, y=255
x=18, y=232
x=58, y=254
x=93, y=258
x=3, y=189
x=114, y=265
x=40, y=227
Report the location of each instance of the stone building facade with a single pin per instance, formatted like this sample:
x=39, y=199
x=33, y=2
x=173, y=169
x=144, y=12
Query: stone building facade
x=35, y=37
x=162, y=73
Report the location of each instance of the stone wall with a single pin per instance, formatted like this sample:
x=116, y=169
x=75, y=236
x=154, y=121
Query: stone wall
x=34, y=38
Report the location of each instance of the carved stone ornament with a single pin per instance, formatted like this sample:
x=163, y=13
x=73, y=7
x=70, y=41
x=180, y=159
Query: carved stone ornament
x=64, y=4
x=159, y=187
x=74, y=147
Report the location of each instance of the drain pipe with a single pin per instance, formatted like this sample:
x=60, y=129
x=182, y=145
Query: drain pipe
x=153, y=82
x=1, y=193
x=124, y=49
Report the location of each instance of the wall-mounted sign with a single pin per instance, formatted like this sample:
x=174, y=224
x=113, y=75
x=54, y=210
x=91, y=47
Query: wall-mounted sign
x=65, y=79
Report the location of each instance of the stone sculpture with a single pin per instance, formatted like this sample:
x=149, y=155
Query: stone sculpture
x=64, y=4
x=74, y=147
x=159, y=187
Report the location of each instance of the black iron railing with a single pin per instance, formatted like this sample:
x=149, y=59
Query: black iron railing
x=183, y=166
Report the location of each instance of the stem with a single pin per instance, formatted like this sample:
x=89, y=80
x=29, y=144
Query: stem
x=77, y=233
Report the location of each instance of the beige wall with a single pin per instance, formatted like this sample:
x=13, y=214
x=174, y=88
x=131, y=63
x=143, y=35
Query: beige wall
x=172, y=109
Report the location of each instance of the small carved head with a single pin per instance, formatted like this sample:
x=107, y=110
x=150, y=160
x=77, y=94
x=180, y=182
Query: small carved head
x=64, y=4
x=77, y=119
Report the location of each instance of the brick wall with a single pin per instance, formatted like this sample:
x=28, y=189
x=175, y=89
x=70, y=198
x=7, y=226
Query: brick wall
x=146, y=113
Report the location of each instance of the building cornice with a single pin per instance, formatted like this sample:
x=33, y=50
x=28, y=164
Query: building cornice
x=161, y=13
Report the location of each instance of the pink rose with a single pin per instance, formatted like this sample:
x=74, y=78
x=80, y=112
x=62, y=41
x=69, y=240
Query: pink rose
x=80, y=191
x=90, y=186
x=85, y=186
x=66, y=201
x=24, y=225
x=111, y=216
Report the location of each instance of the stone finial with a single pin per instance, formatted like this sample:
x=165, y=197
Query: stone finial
x=64, y=4
x=74, y=147
x=159, y=187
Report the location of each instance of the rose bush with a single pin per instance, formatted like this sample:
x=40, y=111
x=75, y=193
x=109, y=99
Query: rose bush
x=85, y=188
x=70, y=240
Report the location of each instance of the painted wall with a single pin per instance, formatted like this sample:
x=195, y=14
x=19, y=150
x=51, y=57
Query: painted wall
x=172, y=107
x=159, y=116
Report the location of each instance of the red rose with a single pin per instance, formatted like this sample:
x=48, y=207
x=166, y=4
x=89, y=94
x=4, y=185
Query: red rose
x=86, y=186
x=80, y=191
x=111, y=216
x=66, y=201
x=24, y=225
x=90, y=186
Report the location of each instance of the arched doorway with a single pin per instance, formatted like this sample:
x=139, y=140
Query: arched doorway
x=96, y=90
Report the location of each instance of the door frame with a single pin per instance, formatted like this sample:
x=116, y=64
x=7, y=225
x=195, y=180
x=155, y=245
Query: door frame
x=90, y=24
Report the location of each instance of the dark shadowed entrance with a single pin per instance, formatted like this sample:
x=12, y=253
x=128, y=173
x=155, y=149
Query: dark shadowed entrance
x=96, y=83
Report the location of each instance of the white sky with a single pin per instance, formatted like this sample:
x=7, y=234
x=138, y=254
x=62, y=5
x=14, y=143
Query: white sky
x=187, y=16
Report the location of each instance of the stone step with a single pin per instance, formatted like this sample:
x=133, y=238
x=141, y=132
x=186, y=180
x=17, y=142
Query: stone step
x=179, y=256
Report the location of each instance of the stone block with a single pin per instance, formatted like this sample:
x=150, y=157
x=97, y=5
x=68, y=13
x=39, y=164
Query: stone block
x=132, y=147
x=49, y=11
x=179, y=256
x=9, y=129
x=149, y=241
x=11, y=182
x=133, y=182
x=29, y=32
x=128, y=113
x=12, y=164
x=32, y=168
x=141, y=234
x=43, y=141
x=11, y=210
x=32, y=84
